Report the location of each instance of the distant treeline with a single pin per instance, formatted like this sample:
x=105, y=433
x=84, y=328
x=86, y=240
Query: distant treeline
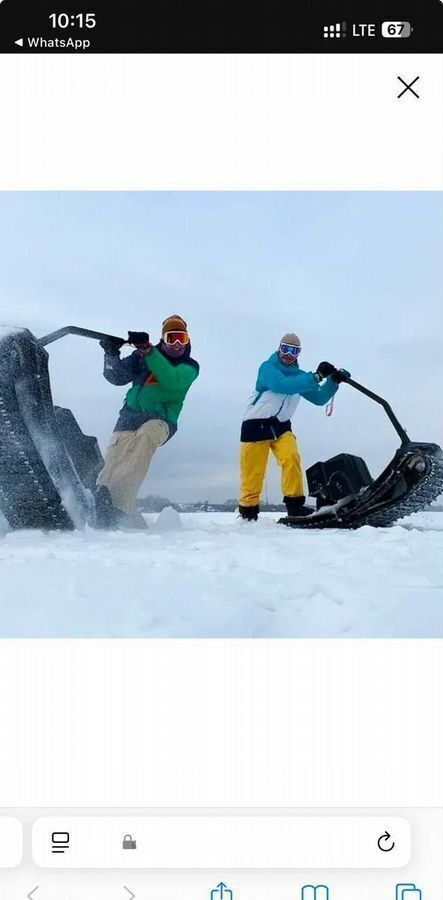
x=153, y=504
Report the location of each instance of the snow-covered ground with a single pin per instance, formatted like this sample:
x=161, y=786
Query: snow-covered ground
x=210, y=575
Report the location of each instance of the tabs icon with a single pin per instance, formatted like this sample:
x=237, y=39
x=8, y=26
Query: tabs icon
x=407, y=892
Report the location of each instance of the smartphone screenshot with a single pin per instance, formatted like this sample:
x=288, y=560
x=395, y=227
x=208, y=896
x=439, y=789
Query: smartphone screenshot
x=221, y=474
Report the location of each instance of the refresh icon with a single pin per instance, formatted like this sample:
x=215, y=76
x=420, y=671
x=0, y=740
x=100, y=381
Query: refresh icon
x=385, y=842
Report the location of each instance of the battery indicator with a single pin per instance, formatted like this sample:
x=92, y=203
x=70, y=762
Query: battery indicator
x=396, y=29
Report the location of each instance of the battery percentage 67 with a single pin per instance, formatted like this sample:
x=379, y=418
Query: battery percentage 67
x=396, y=29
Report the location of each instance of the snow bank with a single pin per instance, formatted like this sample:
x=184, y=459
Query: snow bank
x=210, y=575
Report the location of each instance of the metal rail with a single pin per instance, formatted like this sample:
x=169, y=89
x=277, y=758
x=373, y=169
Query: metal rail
x=73, y=329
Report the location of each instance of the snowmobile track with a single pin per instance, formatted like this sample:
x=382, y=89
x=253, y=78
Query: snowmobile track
x=425, y=492
x=28, y=497
x=39, y=485
x=371, y=507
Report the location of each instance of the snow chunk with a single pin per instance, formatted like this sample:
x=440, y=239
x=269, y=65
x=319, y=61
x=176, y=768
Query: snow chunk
x=169, y=520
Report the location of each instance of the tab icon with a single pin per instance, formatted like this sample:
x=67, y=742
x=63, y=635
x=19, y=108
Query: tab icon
x=407, y=892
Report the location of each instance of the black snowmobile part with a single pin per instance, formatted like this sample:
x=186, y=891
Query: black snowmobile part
x=333, y=479
x=411, y=481
x=39, y=485
x=83, y=449
x=83, y=332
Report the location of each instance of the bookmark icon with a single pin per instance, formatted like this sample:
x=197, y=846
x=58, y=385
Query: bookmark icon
x=320, y=892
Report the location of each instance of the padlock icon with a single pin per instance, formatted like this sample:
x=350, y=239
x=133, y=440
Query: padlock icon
x=129, y=843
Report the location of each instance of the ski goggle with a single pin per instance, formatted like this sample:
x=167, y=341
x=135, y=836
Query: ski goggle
x=290, y=350
x=176, y=337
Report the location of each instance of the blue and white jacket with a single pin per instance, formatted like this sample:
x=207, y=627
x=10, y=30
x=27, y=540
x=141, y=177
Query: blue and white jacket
x=277, y=394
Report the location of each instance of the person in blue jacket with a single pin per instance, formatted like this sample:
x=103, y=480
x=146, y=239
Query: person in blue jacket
x=266, y=424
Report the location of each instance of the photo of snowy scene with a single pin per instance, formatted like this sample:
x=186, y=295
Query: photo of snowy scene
x=220, y=415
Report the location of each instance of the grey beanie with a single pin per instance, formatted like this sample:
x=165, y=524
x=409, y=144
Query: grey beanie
x=291, y=338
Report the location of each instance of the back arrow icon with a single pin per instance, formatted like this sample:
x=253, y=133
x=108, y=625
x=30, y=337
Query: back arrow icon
x=131, y=895
x=30, y=896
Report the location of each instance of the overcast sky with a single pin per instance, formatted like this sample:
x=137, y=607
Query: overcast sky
x=359, y=276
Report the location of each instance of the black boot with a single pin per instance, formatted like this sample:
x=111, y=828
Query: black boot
x=107, y=516
x=296, y=506
x=250, y=513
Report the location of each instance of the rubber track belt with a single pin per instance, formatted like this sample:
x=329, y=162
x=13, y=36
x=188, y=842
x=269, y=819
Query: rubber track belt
x=28, y=497
x=368, y=507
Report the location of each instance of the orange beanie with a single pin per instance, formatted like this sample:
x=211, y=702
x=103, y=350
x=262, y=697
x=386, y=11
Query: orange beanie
x=174, y=323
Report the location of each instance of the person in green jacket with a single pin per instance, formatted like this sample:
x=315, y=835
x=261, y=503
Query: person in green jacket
x=161, y=376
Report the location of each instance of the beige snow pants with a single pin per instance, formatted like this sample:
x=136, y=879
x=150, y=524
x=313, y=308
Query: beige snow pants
x=127, y=461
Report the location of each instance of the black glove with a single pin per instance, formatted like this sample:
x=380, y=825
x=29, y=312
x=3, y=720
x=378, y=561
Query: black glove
x=111, y=345
x=339, y=375
x=138, y=338
x=324, y=369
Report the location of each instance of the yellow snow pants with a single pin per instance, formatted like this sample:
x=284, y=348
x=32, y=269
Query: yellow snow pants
x=253, y=463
